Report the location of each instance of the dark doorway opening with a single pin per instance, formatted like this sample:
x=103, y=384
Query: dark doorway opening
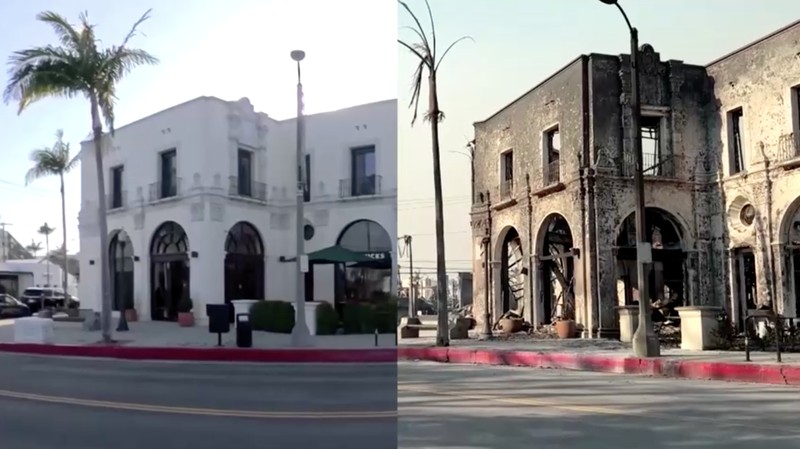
x=667, y=277
x=121, y=257
x=364, y=281
x=557, y=270
x=744, y=277
x=512, y=280
x=244, y=264
x=169, y=276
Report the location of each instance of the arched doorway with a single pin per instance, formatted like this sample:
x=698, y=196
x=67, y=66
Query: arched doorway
x=244, y=264
x=364, y=281
x=169, y=275
x=121, y=258
x=556, y=269
x=512, y=280
x=667, y=278
x=791, y=234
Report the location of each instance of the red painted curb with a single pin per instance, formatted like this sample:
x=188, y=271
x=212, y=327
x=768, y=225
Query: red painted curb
x=673, y=368
x=209, y=354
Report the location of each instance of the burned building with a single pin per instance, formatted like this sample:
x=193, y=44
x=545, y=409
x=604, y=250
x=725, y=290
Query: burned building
x=553, y=209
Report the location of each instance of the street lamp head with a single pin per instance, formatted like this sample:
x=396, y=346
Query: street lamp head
x=609, y=2
x=298, y=55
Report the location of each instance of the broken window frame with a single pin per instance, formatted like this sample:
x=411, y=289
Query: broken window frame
x=651, y=132
x=736, y=145
x=552, y=155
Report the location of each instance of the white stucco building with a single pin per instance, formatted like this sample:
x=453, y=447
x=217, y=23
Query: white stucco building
x=18, y=274
x=205, y=191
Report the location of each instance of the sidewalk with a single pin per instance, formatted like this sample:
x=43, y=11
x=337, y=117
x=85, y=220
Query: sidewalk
x=168, y=341
x=607, y=357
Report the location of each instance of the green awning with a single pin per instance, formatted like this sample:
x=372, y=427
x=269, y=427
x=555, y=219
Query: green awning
x=335, y=254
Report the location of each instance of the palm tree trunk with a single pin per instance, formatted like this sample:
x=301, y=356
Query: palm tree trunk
x=443, y=322
x=64, y=234
x=105, y=275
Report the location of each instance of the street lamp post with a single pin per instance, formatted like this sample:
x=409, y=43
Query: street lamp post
x=300, y=334
x=645, y=340
x=122, y=240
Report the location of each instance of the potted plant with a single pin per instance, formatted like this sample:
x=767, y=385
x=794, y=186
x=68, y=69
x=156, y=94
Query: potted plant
x=185, y=315
x=565, y=328
x=131, y=315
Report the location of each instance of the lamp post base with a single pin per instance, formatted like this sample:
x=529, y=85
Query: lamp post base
x=301, y=337
x=646, y=342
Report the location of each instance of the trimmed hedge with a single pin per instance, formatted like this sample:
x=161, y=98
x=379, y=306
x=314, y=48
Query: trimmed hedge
x=327, y=319
x=364, y=318
x=272, y=316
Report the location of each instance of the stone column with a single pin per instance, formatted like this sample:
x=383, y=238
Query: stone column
x=535, y=280
x=497, y=297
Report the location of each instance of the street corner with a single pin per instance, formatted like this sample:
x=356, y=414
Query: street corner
x=211, y=354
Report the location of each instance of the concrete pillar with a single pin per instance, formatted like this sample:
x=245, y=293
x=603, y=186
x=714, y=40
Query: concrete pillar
x=698, y=324
x=497, y=298
x=537, y=307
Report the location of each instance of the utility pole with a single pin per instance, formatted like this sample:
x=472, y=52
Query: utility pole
x=5, y=240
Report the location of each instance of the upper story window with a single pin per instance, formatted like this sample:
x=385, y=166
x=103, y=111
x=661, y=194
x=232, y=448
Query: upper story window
x=736, y=148
x=651, y=144
x=363, y=175
x=307, y=186
x=245, y=172
x=796, y=109
x=507, y=167
x=168, y=184
x=506, y=173
x=552, y=143
x=116, y=187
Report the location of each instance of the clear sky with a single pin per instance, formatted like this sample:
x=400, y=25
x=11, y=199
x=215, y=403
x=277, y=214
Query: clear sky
x=519, y=43
x=229, y=49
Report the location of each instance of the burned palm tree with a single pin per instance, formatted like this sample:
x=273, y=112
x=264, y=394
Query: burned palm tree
x=425, y=50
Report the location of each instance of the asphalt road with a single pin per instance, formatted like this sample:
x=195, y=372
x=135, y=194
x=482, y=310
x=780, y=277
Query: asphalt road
x=68, y=403
x=472, y=407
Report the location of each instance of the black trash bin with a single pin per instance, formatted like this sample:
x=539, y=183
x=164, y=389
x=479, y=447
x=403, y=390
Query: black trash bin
x=244, y=331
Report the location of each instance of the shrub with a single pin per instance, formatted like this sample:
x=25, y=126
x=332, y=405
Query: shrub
x=272, y=316
x=327, y=319
x=185, y=305
x=358, y=319
x=386, y=316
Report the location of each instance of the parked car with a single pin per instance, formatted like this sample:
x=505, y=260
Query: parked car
x=52, y=298
x=11, y=307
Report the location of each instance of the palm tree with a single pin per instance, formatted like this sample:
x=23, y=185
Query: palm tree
x=54, y=161
x=34, y=247
x=428, y=62
x=46, y=230
x=79, y=67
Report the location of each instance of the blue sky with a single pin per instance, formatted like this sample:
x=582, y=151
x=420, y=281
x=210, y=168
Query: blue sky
x=518, y=43
x=228, y=49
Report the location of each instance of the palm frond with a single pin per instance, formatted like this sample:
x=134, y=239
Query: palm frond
x=134, y=28
x=31, y=81
x=433, y=31
x=462, y=38
x=45, y=230
x=67, y=34
x=419, y=25
x=50, y=161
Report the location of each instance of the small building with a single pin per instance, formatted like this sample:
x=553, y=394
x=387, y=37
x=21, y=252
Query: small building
x=552, y=212
x=205, y=192
x=17, y=275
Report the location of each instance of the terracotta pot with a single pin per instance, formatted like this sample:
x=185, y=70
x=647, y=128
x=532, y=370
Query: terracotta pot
x=511, y=325
x=131, y=315
x=185, y=319
x=566, y=329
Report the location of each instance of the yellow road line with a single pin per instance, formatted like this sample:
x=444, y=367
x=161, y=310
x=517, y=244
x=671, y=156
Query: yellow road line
x=598, y=410
x=382, y=414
